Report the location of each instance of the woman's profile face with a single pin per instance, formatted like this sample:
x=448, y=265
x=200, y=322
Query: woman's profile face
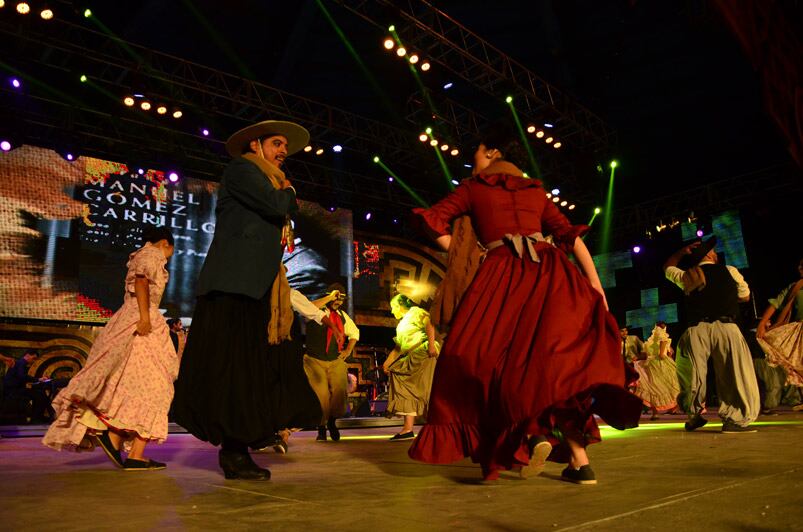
x=481, y=159
x=397, y=310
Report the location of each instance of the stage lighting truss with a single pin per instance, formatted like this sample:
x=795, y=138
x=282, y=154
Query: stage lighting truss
x=143, y=103
x=414, y=58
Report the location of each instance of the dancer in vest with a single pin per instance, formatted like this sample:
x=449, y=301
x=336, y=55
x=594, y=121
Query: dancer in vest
x=411, y=364
x=509, y=375
x=229, y=388
x=120, y=398
x=657, y=384
x=325, y=361
x=713, y=292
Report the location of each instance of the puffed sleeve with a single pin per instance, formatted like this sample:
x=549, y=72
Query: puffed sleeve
x=563, y=232
x=148, y=262
x=435, y=220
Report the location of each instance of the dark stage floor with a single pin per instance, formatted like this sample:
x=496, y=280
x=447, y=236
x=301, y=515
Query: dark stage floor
x=657, y=477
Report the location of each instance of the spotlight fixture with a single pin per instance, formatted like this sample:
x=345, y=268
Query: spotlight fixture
x=455, y=152
x=389, y=44
x=433, y=142
x=141, y=171
x=548, y=195
x=337, y=148
x=390, y=179
x=392, y=28
x=87, y=13
x=448, y=86
x=83, y=78
x=428, y=130
x=455, y=182
x=597, y=210
x=555, y=199
x=205, y=133
x=173, y=177
x=540, y=134
x=367, y=216
x=5, y=145
x=319, y=151
x=23, y=8
x=46, y=13
x=531, y=129
x=548, y=140
x=423, y=137
x=161, y=109
x=425, y=66
x=177, y=113
x=700, y=233
x=145, y=105
x=555, y=191
x=376, y=157
x=572, y=206
x=509, y=99
x=444, y=147
x=557, y=145
x=16, y=83
x=614, y=163
x=564, y=203
x=413, y=59
x=69, y=156
x=2, y=4
x=307, y=148
x=636, y=249
x=129, y=101
x=401, y=51
x=548, y=125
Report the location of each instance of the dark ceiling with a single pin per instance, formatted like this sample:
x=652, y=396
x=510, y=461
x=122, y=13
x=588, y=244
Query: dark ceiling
x=668, y=77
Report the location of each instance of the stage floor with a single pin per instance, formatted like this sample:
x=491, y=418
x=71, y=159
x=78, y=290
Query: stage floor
x=656, y=477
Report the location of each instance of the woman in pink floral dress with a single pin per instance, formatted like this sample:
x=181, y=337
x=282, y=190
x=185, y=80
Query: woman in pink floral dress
x=120, y=399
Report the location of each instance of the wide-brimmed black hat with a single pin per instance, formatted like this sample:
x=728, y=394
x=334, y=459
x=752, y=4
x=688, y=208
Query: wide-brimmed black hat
x=698, y=253
x=297, y=137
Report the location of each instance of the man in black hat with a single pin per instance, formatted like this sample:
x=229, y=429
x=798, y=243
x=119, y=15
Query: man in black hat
x=713, y=293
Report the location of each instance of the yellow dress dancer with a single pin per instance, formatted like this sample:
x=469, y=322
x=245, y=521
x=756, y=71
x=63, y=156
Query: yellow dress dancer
x=658, y=383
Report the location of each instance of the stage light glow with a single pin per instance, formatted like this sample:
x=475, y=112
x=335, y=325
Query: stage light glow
x=87, y=13
x=83, y=78
x=557, y=145
x=531, y=129
x=466, y=165
x=509, y=99
x=548, y=195
x=46, y=14
x=540, y=134
x=319, y=151
x=5, y=145
x=548, y=125
x=367, y=216
x=307, y=148
x=177, y=113
x=455, y=152
x=597, y=210
x=70, y=157
x=413, y=59
x=2, y=3
x=16, y=83
x=161, y=109
x=455, y=182
x=525, y=174
x=572, y=206
x=23, y=8
x=556, y=191
x=205, y=133
x=433, y=142
x=392, y=28
x=129, y=101
x=395, y=220
x=636, y=249
x=425, y=66
x=390, y=179
x=564, y=203
x=337, y=148
x=173, y=177
x=145, y=106
x=423, y=137
x=376, y=158
x=614, y=164
x=444, y=147
x=429, y=131
x=448, y=86
x=700, y=233
x=141, y=171
x=555, y=199
x=389, y=44
x=137, y=95
x=401, y=51
x=548, y=140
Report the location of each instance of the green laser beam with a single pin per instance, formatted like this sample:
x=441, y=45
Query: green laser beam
x=401, y=182
x=445, y=168
x=524, y=140
x=607, y=218
x=219, y=40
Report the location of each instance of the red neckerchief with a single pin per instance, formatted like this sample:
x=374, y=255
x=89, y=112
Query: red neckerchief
x=335, y=318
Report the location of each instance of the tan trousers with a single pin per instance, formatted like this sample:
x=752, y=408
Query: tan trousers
x=329, y=380
x=737, y=387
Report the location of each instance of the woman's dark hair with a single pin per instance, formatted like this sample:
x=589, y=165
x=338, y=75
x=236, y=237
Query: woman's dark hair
x=403, y=301
x=661, y=324
x=502, y=136
x=153, y=234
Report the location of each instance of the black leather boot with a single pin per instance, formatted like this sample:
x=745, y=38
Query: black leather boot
x=237, y=465
x=334, y=432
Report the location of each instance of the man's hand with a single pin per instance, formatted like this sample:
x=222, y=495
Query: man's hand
x=339, y=336
x=432, y=351
x=761, y=330
x=143, y=327
x=687, y=250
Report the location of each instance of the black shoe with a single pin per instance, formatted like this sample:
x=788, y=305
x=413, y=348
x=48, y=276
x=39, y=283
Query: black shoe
x=403, y=436
x=539, y=451
x=584, y=475
x=104, y=442
x=131, y=464
x=729, y=427
x=280, y=446
x=240, y=466
x=321, y=434
x=334, y=432
x=695, y=423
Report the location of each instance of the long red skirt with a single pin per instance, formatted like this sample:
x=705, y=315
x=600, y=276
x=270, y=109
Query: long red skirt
x=532, y=350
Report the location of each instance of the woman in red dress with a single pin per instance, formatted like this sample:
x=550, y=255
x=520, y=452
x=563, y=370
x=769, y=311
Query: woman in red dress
x=532, y=352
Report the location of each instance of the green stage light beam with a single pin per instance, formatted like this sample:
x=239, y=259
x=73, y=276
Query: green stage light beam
x=383, y=97
x=445, y=168
x=97, y=22
x=524, y=140
x=39, y=83
x=597, y=210
x=607, y=218
x=222, y=44
x=401, y=182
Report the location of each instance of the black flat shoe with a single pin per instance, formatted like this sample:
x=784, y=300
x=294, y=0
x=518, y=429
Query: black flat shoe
x=403, y=436
x=334, y=432
x=539, y=451
x=584, y=475
x=321, y=434
x=104, y=442
x=132, y=464
x=240, y=466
